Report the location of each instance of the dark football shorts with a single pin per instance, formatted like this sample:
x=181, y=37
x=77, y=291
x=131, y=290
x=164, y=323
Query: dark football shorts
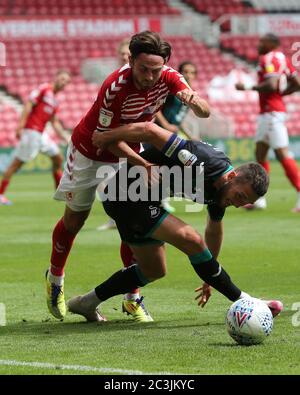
x=136, y=221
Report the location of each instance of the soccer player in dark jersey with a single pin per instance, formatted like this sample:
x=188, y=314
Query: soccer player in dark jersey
x=174, y=111
x=144, y=225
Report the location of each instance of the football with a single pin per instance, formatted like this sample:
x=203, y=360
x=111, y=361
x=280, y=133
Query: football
x=249, y=321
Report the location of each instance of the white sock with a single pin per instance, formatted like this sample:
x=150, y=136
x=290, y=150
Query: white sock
x=244, y=295
x=57, y=280
x=90, y=300
x=130, y=296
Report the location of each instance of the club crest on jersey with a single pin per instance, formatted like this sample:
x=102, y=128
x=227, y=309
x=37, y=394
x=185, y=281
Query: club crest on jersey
x=105, y=117
x=69, y=196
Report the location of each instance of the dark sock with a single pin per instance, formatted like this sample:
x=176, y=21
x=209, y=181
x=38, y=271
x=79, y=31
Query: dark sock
x=213, y=274
x=121, y=282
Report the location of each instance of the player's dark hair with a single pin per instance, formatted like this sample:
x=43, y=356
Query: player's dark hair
x=186, y=63
x=254, y=174
x=275, y=40
x=149, y=43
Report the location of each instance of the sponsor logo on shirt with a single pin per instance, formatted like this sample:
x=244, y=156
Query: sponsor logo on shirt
x=186, y=157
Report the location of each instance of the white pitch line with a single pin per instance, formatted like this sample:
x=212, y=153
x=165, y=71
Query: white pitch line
x=2, y=314
x=81, y=368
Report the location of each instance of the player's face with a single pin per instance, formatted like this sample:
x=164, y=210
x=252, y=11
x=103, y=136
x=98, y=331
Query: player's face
x=146, y=70
x=263, y=46
x=236, y=194
x=190, y=73
x=123, y=55
x=61, y=81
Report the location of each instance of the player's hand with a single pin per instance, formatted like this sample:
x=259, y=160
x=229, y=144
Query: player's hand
x=101, y=140
x=204, y=293
x=187, y=96
x=18, y=133
x=240, y=86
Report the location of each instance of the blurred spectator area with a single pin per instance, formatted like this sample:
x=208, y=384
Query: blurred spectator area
x=30, y=63
x=246, y=46
x=86, y=7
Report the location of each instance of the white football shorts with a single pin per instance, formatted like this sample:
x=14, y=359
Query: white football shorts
x=33, y=142
x=271, y=129
x=79, y=182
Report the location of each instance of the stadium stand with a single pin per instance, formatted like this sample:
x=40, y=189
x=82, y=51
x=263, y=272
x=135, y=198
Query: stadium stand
x=89, y=7
x=8, y=124
x=246, y=46
x=31, y=62
x=222, y=8
x=277, y=5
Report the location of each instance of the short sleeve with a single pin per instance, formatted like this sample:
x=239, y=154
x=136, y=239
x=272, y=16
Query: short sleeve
x=175, y=81
x=36, y=95
x=109, y=105
x=216, y=213
x=270, y=66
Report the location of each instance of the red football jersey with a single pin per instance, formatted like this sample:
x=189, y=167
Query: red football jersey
x=118, y=103
x=45, y=106
x=274, y=64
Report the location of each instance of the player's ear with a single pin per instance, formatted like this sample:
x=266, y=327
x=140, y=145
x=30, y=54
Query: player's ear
x=231, y=175
x=130, y=60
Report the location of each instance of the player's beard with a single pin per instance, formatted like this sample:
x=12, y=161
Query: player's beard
x=221, y=195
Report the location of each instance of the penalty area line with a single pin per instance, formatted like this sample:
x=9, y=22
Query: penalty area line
x=78, y=368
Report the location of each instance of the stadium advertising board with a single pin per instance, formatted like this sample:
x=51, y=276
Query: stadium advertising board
x=282, y=25
x=73, y=28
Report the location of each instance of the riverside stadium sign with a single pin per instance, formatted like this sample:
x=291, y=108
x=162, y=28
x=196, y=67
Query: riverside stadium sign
x=74, y=28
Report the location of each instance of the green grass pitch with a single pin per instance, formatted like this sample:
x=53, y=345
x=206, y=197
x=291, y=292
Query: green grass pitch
x=261, y=252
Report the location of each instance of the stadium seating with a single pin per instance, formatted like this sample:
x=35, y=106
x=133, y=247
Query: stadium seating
x=8, y=124
x=219, y=8
x=89, y=7
x=31, y=63
x=246, y=46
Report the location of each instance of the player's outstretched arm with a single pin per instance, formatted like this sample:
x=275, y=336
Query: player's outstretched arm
x=24, y=116
x=293, y=86
x=146, y=132
x=191, y=98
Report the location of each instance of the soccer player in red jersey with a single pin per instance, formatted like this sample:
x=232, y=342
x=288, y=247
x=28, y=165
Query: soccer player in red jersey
x=133, y=93
x=123, y=54
x=276, y=77
x=41, y=107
